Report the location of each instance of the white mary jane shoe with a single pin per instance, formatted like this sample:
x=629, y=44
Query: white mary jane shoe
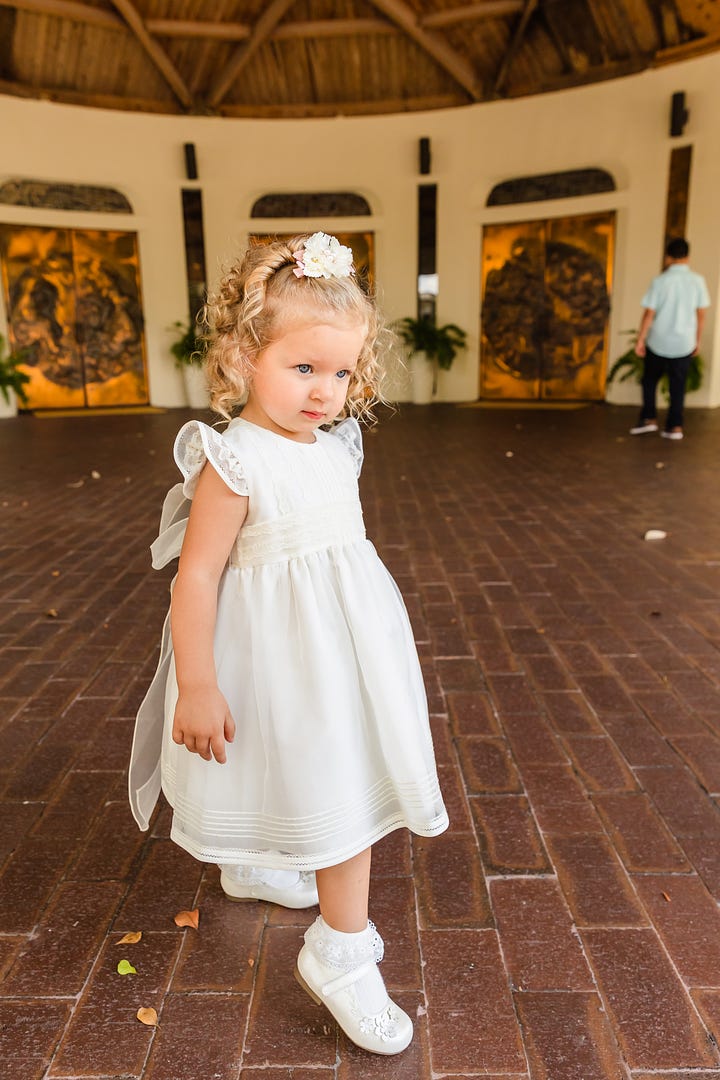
x=347, y=982
x=249, y=883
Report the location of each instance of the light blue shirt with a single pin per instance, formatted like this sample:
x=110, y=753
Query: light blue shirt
x=675, y=296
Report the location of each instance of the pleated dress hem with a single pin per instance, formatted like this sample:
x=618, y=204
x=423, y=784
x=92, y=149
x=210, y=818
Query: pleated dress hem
x=275, y=860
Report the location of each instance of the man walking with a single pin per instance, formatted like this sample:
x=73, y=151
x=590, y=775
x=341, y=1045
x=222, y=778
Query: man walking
x=672, y=321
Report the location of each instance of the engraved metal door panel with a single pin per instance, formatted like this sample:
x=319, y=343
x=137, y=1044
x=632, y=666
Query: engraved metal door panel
x=513, y=309
x=73, y=304
x=546, y=289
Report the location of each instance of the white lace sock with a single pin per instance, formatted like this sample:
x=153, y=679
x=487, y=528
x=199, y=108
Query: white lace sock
x=343, y=952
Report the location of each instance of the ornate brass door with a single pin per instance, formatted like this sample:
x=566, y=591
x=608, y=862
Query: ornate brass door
x=73, y=303
x=546, y=300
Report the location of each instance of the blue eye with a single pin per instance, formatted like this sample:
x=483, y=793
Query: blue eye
x=343, y=374
x=304, y=369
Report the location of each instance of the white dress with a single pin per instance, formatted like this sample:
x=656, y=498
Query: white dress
x=315, y=656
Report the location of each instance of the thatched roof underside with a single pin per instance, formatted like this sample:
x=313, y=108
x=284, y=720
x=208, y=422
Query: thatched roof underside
x=296, y=58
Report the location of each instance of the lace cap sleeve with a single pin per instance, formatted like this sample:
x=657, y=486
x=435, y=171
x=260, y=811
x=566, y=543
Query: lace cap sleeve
x=197, y=443
x=349, y=433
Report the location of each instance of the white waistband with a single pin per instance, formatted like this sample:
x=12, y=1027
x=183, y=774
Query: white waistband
x=298, y=534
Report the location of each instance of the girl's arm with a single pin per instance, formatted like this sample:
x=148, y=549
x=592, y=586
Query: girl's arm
x=202, y=719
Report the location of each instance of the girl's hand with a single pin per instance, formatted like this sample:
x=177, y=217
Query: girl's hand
x=203, y=723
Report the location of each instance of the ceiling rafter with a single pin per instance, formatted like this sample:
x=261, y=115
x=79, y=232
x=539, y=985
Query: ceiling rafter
x=688, y=49
x=331, y=28
x=307, y=28
x=80, y=97
x=261, y=31
x=570, y=56
x=343, y=108
x=191, y=28
x=616, y=16
x=453, y=62
x=527, y=13
x=155, y=51
x=599, y=73
x=587, y=40
x=70, y=9
x=590, y=7
x=669, y=22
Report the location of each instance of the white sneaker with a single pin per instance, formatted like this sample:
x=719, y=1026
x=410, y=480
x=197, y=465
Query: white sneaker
x=672, y=434
x=340, y=972
x=644, y=428
x=289, y=888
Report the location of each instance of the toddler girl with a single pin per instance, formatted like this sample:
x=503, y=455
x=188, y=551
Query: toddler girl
x=287, y=722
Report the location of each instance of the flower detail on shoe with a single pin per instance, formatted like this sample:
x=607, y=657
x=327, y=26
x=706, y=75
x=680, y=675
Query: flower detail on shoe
x=343, y=976
x=384, y=1026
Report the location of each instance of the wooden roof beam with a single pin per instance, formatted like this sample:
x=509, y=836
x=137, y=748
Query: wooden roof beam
x=528, y=12
x=190, y=28
x=157, y=54
x=697, y=47
x=69, y=9
x=314, y=28
x=261, y=31
x=572, y=59
x=491, y=9
x=669, y=24
x=436, y=47
x=345, y=108
x=612, y=14
x=79, y=97
x=310, y=28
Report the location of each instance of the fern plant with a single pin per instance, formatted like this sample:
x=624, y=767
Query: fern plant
x=187, y=348
x=630, y=366
x=11, y=378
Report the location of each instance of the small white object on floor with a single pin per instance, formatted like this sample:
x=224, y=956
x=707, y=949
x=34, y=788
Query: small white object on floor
x=654, y=534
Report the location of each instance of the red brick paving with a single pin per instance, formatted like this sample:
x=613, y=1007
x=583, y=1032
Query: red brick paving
x=565, y=928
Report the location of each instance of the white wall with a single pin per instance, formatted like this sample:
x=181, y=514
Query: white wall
x=621, y=126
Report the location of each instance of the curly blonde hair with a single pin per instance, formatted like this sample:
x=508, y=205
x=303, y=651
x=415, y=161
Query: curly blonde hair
x=258, y=296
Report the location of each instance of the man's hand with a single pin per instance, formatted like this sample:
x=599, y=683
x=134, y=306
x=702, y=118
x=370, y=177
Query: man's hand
x=640, y=348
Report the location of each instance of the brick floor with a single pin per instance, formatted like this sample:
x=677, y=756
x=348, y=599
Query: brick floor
x=565, y=928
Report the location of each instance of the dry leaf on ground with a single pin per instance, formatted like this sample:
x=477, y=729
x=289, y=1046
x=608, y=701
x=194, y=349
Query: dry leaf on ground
x=188, y=918
x=149, y=1017
x=130, y=939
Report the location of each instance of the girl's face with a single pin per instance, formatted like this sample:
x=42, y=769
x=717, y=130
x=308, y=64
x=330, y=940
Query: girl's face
x=301, y=379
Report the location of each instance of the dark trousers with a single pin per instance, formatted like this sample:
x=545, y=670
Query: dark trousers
x=677, y=368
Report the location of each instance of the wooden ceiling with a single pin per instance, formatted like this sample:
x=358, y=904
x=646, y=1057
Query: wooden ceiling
x=296, y=58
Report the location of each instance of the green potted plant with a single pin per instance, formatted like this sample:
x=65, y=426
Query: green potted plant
x=431, y=348
x=630, y=366
x=187, y=347
x=12, y=379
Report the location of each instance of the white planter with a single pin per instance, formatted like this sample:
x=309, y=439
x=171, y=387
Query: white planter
x=8, y=408
x=422, y=376
x=195, y=389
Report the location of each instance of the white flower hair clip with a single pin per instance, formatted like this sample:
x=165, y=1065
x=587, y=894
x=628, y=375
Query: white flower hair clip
x=323, y=256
